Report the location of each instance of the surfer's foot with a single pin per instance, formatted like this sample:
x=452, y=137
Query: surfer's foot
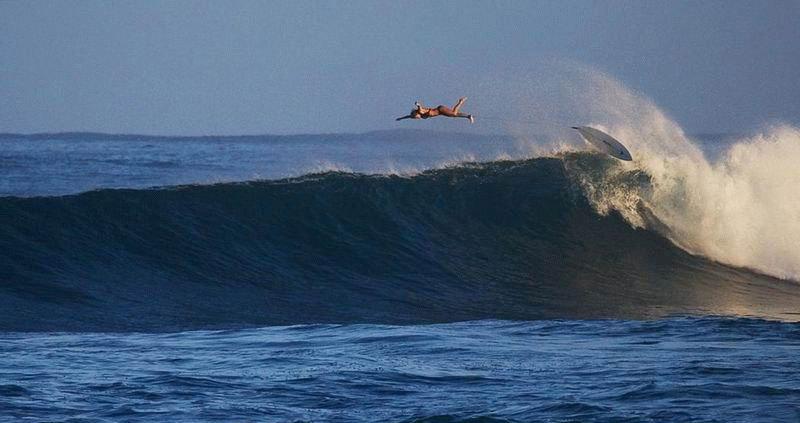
x=471, y=119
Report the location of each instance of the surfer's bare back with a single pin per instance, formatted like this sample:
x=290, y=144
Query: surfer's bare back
x=422, y=112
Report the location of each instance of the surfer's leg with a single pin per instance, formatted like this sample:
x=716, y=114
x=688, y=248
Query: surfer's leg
x=465, y=116
x=446, y=111
x=458, y=104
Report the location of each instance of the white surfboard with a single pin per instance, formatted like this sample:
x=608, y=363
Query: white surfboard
x=604, y=142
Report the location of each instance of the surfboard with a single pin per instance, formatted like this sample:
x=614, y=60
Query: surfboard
x=604, y=142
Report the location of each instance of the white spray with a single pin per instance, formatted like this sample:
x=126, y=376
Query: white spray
x=743, y=209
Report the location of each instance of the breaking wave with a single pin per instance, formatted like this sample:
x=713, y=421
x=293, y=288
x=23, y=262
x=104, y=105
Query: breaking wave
x=504, y=239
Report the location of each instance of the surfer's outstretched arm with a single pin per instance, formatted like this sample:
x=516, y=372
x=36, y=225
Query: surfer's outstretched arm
x=404, y=117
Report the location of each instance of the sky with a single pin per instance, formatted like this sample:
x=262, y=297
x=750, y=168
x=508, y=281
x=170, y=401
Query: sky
x=254, y=67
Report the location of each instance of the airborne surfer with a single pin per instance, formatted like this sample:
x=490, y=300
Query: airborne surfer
x=422, y=112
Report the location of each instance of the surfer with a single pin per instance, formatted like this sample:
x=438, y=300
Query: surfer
x=422, y=112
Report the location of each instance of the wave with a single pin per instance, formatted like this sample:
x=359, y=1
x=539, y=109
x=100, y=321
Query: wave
x=501, y=240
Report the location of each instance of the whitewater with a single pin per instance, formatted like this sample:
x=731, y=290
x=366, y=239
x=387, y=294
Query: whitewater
x=742, y=208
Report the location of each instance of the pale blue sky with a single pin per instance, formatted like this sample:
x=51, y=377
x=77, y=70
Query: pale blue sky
x=244, y=67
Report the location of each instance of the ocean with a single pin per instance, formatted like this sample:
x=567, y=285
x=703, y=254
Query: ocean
x=401, y=275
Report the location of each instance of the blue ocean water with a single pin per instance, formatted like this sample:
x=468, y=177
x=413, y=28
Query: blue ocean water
x=58, y=164
x=389, y=276
x=678, y=369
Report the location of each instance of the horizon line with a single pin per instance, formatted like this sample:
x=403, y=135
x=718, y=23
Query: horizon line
x=6, y=135
x=145, y=135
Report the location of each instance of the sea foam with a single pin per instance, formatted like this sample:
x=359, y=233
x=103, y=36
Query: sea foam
x=742, y=209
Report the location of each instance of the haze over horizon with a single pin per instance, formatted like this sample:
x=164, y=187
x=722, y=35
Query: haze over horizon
x=194, y=68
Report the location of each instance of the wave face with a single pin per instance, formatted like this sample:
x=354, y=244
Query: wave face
x=501, y=240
